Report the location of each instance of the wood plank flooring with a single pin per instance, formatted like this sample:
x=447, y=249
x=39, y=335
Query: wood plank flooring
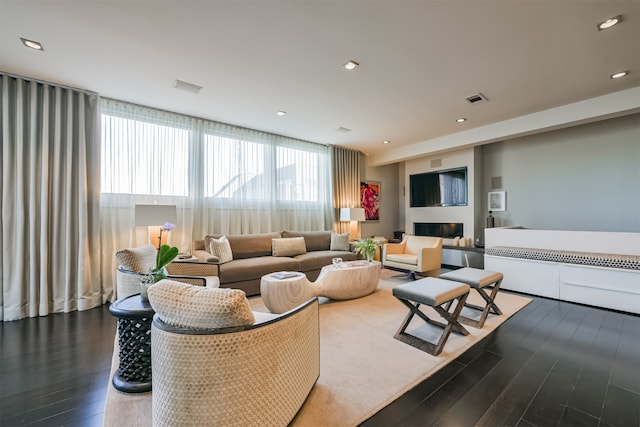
x=552, y=364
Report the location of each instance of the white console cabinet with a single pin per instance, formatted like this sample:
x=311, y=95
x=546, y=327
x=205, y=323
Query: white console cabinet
x=614, y=288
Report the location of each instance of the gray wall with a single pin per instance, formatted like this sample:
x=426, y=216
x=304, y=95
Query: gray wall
x=585, y=178
x=389, y=202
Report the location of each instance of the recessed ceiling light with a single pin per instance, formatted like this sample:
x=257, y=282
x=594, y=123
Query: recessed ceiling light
x=618, y=75
x=350, y=65
x=281, y=113
x=609, y=22
x=32, y=44
x=386, y=141
x=461, y=119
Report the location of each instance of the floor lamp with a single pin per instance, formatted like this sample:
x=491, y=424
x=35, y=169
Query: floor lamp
x=154, y=217
x=353, y=215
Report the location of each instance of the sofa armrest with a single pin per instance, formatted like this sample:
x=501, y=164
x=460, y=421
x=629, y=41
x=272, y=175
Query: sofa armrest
x=193, y=268
x=207, y=281
x=204, y=256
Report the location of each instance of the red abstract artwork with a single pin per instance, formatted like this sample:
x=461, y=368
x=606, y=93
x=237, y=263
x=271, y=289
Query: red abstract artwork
x=370, y=200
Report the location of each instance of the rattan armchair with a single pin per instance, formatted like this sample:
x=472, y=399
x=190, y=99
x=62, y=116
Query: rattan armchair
x=251, y=375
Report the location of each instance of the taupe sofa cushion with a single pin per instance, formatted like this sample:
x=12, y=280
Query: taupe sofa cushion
x=252, y=245
x=291, y=246
x=314, y=240
x=255, y=268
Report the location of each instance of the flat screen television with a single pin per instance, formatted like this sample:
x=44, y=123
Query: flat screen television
x=440, y=188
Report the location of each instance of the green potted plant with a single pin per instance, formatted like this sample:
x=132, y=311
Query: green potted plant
x=367, y=247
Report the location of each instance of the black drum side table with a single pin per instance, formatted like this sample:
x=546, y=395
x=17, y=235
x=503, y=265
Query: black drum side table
x=134, y=338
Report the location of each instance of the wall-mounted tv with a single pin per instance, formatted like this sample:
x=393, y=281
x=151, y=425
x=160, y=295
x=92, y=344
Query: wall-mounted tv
x=439, y=188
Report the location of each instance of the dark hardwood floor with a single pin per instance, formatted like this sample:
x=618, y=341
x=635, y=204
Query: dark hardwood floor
x=552, y=364
x=54, y=370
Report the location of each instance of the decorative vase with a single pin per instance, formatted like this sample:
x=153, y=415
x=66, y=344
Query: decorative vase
x=145, y=283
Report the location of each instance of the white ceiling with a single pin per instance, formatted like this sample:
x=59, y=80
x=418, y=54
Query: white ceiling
x=418, y=60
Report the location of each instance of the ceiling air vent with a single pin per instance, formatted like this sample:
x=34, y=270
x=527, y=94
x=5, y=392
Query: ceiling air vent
x=478, y=97
x=187, y=87
x=343, y=129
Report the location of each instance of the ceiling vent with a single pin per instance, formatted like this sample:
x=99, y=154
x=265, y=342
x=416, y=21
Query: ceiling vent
x=187, y=87
x=343, y=129
x=474, y=99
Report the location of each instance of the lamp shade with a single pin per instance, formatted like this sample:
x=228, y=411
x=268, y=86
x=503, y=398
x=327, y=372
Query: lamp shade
x=352, y=214
x=147, y=215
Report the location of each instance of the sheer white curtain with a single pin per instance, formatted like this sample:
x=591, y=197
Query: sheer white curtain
x=50, y=196
x=222, y=178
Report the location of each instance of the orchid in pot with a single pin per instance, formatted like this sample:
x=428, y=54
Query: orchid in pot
x=164, y=256
x=367, y=247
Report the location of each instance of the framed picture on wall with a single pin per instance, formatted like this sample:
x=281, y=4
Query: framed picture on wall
x=497, y=201
x=370, y=200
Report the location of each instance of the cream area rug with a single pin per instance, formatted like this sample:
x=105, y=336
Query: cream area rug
x=362, y=367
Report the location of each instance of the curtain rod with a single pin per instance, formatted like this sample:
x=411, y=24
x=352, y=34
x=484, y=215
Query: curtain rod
x=32, y=79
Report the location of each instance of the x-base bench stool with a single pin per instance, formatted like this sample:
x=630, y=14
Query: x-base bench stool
x=479, y=280
x=435, y=293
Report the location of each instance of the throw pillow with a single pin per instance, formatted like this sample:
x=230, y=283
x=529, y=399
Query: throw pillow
x=207, y=241
x=291, y=246
x=339, y=242
x=187, y=306
x=138, y=260
x=222, y=249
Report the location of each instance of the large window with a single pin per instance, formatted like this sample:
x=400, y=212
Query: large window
x=221, y=177
x=141, y=157
x=298, y=175
x=234, y=169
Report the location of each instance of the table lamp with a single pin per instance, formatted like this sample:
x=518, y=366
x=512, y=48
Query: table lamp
x=154, y=217
x=353, y=215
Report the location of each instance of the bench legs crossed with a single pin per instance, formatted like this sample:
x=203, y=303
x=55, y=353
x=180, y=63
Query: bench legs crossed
x=451, y=324
x=489, y=307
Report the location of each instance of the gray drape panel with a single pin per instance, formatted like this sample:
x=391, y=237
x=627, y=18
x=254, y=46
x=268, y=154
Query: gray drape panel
x=50, y=184
x=346, y=183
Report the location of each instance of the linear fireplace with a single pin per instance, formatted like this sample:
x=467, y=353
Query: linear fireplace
x=447, y=230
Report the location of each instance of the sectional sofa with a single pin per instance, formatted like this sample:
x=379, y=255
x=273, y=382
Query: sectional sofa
x=254, y=255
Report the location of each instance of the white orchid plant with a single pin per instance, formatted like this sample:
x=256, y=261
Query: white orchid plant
x=164, y=256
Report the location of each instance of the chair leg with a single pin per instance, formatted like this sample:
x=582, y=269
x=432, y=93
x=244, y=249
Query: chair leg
x=489, y=307
x=451, y=324
x=408, y=275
